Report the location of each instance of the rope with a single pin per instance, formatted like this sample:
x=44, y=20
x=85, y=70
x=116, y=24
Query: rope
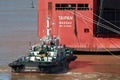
x=100, y=24
x=106, y=21
x=101, y=8
x=99, y=41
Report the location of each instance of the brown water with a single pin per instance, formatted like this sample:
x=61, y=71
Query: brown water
x=5, y=74
x=63, y=76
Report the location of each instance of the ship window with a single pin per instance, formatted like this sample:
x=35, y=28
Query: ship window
x=65, y=6
x=71, y=6
x=80, y=5
x=83, y=7
x=86, y=5
x=86, y=30
x=57, y=5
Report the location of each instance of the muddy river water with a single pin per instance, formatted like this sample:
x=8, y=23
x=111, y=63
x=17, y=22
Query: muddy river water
x=63, y=76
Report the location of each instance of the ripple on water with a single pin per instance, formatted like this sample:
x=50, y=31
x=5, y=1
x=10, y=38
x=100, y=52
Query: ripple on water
x=93, y=76
x=5, y=76
x=4, y=69
x=65, y=76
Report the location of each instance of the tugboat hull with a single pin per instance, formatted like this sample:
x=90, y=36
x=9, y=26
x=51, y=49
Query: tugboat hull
x=43, y=67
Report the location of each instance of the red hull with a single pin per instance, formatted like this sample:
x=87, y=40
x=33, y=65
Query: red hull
x=64, y=25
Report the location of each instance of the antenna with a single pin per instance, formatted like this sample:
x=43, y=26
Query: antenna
x=33, y=4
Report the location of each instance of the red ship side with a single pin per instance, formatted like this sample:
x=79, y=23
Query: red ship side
x=73, y=21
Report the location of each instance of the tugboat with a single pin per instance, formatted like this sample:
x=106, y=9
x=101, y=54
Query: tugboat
x=48, y=57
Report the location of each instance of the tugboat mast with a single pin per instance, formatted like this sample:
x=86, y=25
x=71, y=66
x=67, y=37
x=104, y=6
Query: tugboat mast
x=48, y=28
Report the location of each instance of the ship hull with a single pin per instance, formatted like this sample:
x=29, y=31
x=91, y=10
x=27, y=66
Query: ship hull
x=75, y=25
x=41, y=67
x=97, y=52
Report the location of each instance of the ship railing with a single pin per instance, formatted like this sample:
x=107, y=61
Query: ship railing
x=37, y=59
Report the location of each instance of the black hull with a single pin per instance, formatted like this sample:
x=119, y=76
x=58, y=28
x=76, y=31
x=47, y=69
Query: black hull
x=36, y=67
x=97, y=52
x=42, y=67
